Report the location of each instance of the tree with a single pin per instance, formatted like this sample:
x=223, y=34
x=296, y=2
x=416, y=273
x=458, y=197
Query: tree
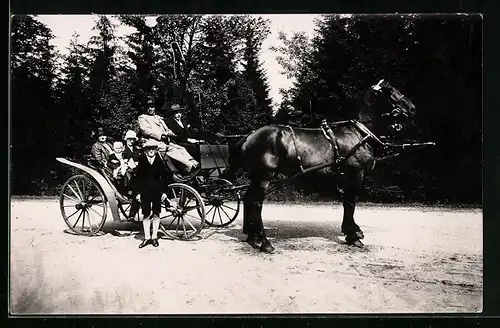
x=254, y=32
x=143, y=56
x=34, y=142
x=293, y=56
x=73, y=101
x=102, y=70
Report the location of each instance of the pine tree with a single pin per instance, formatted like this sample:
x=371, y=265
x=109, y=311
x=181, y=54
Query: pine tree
x=102, y=48
x=34, y=142
x=254, y=32
x=143, y=56
x=73, y=101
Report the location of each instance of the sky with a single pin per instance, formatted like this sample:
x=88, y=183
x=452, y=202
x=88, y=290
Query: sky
x=64, y=26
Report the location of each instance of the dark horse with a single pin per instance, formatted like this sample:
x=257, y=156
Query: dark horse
x=345, y=148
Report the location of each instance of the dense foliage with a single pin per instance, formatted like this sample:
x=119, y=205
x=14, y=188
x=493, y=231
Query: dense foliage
x=434, y=60
x=58, y=101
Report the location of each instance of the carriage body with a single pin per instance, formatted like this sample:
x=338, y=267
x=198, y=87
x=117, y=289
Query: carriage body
x=86, y=197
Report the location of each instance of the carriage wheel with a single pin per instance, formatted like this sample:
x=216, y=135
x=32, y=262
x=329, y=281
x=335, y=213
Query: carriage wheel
x=187, y=217
x=83, y=205
x=125, y=210
x=221, y=202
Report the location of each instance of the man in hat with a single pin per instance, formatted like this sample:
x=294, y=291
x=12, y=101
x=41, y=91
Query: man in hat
x=152, y=126
x=101, y=149
x=178, y=124
x=151, y=183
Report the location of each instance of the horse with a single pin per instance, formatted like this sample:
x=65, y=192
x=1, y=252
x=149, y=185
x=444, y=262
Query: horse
x=346, y=149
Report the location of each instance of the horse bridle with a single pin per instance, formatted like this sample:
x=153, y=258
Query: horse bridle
x=394, y=103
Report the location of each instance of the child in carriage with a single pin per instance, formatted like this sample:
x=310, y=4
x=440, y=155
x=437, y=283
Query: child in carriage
x=150, y=183
x=121, y=166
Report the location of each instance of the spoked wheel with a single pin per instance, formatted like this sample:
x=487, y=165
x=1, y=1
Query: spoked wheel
x=83, y=205
x=222, y=203
x=185, y=219
x=125, y=211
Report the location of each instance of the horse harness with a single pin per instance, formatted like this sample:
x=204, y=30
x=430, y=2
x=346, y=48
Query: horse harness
x=330, y=136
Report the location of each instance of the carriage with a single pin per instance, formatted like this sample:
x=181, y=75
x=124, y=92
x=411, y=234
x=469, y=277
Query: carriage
x=201, y=199
x=347, y=151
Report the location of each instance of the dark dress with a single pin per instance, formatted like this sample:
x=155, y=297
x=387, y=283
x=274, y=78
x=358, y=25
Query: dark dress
x=151, y=180
x=182, y=134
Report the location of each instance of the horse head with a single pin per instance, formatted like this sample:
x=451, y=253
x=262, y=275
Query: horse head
x=395, y=108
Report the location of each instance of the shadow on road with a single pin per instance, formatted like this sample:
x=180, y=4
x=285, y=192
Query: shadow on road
x=288, y=230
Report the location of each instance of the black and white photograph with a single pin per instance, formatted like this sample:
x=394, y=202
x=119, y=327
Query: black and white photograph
x=245, y=164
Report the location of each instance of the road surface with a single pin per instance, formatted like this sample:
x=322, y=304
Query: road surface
x=416, y=260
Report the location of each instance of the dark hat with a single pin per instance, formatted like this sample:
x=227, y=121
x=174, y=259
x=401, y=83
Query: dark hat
x=176, y=108
x=151, y=101
x=100, y=132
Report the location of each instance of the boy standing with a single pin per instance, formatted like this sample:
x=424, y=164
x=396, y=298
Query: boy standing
x=151, y=181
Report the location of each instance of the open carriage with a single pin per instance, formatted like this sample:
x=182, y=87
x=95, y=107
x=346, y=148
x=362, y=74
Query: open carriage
x=199, y=199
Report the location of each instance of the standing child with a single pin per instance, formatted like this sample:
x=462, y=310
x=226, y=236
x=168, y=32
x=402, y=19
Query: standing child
x=151, y=181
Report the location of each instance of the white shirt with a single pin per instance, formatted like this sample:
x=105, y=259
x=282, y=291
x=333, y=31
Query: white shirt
x=179, y=122
x=151, y=159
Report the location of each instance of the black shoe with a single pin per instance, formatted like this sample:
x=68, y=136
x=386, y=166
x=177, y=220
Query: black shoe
x=144, y=243
x=155, y=243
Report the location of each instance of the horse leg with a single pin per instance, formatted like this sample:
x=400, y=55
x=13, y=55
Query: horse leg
x=352, y=185
x=252, y=215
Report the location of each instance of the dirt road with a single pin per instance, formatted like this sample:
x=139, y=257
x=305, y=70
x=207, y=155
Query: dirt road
x=416, y=260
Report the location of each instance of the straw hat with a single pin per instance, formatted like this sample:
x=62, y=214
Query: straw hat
x=130, y=135
x=175, y=109
x=150, y=143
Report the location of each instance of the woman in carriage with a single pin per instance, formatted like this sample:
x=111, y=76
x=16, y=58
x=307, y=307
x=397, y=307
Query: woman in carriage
x=153, y=127
x=101, y=149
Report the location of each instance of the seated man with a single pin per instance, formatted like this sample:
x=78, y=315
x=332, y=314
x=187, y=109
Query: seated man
x=153, y=126
x=179, y=125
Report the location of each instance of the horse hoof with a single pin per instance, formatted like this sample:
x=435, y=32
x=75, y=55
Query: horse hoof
x=267, y=248
x=356, y=243
x=253, y=244
x=360, y=235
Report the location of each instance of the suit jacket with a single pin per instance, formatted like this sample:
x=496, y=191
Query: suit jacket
x=182, y=132
x=152, y=126
x=149, y=177
x=134, y=153
x=100, y=152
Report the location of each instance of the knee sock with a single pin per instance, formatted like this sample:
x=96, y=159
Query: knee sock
x=156, y=225
x=146, y=224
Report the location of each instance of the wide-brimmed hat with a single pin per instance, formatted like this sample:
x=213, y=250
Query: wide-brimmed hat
x=150, y=143
x=130, y=135
x=100, y=132
x=176, y=108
